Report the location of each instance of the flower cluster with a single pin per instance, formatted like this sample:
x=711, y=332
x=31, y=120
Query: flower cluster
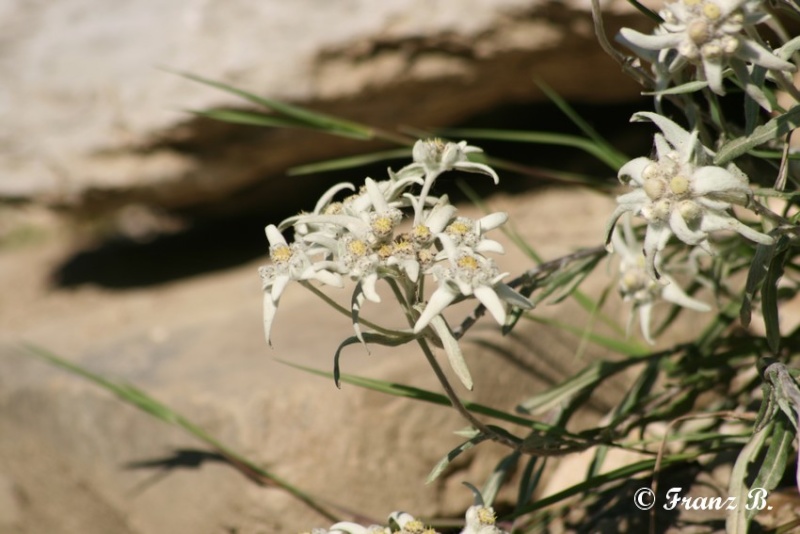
x=479, y=520
x=680, y=194
x=710, y=34
x=362, y=238
x=637, y=287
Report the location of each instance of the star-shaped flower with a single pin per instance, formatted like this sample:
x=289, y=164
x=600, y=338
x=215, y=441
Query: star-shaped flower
x=636, y=285
x=677, y=193
x=481, y=519
x=469, y=274
x=432, y=157
x=710, y=34
x=289, y=262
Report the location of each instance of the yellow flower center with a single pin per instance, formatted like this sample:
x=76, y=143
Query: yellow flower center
x=382, y=225
x=486, y=516
x=711, y=11
x=357, y=248
x=679, y=185
x=414, y=527
x=459, y=228
x=654, y=188
x=421, y=232
x=403, y=247
x=698, y=31
x=281, y=254
x=468, y=262
x=385, y=251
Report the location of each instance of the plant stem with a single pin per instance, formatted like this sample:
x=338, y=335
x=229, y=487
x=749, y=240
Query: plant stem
x=459, y=406
x=338, y=307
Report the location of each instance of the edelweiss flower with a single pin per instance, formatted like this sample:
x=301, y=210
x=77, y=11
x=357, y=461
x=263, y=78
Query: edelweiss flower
x=346, y=527
x=481, y=520
x=636, y=286
x=468, y=233
x=397, y=520
x=289, y=262
x=709, y=34
x=678, y=194
x=469, y=274
x=432, y=157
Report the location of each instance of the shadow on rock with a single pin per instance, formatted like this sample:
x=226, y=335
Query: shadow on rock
x=122, y=263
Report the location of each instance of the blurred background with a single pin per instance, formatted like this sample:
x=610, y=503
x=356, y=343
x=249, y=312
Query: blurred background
x=131, y=230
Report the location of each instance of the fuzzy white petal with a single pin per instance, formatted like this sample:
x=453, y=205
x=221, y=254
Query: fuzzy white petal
x=468, y=166
x=675, y=135
x=655, y=240
x=269, y=309
x=644, y=321
x=754, y=53
x=651, y=42
x=713, y=71
x=713, y=179
x=274, y=236
x=328, y=195
x=440, y=299
x=676, y=295
x=633, y=170
x=487, y=296
x=715, y=221
x=682, y=230
x=489, y=245
x=368, y=285
x=491, y=221
x=280, y=283
x=512, y=297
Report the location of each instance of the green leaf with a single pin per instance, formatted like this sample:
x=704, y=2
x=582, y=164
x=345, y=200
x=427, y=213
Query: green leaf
x=453, y=350
x=755, y=277
x=769, y=298
x=442, y=464
x=367, y=337
x=774, y=129
x=530, y=480
x=737, y=522
x=689, y=87
x=625, y=347
x=502, y=472
x=623, y=473
x=587, y=379
x=774, y=465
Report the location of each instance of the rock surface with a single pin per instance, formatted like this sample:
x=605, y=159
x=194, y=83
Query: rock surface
x=92, y=122
x=74, y=459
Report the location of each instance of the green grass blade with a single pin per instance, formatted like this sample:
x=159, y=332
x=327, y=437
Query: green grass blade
x=584, y=126
x=627, y=348
x=143, y=401
x=401, y=390
x=312, y=119
x=251, y=118
x=593, y=483
x=542, y=138
x=349, y=162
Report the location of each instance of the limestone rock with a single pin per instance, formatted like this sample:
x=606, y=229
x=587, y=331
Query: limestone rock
x=92, y=122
